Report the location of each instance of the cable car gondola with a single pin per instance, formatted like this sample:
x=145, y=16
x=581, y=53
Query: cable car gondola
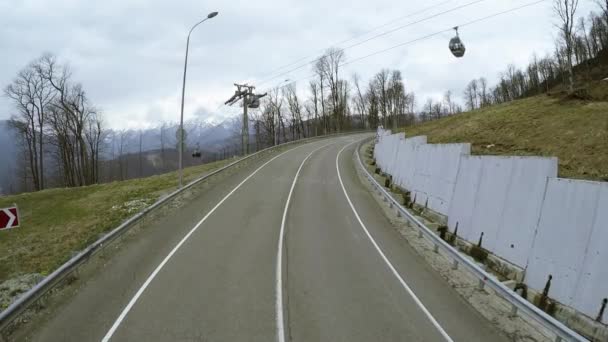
x=456, y=45
x=197, y=152
x=254, y=102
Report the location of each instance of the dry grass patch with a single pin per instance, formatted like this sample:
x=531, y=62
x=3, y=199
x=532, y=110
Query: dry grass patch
x=56, y=223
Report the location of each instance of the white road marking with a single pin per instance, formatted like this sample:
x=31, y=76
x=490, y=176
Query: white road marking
x=141, y=290
x=279, y=274
x=388, y=263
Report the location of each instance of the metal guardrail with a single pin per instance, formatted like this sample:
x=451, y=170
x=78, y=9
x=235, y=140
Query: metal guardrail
x=30, y=297
x=518, y=304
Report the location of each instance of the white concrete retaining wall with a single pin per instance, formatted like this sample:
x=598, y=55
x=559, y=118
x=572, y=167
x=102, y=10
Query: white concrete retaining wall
x=572, y=245
x=395, y=144
x=406, y=161
x=435, y=170
x=500, y=197
x=529, y=217
x=382, y=148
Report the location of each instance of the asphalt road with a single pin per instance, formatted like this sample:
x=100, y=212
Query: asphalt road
x=290, y=248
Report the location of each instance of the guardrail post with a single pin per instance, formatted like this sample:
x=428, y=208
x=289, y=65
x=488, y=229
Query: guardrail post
x=513, y=312
x=436, y=248
x=481, y=284
x=420, y=233
x=558, y=339
x=601, y=314
x=391, y=205
x=398, y=212
x=455, y=264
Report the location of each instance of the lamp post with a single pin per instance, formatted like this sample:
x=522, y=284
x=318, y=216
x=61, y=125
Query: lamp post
x=181, y=118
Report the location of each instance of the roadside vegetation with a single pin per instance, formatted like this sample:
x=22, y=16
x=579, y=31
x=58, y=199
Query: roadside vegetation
x=56, y=223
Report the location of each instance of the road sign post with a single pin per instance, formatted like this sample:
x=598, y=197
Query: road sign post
x=9, y=217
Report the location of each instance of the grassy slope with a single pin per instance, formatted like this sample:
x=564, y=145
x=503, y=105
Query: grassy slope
x=574, y=131
x=57, y=222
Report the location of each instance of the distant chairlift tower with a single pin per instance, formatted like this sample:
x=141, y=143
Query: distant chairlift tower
x=250, y=100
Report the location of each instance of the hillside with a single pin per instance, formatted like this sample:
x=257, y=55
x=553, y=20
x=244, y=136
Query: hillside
x=574, y=131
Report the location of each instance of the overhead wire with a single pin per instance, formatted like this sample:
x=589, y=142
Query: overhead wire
x=453, y=9
x=513, y=9
x=414, y=23
x=360, y=35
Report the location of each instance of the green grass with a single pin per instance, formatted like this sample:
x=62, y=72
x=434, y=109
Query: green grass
x=574, y=131
x=56, y=223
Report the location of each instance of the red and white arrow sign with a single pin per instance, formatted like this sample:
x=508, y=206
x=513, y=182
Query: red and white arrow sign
x=9, y=218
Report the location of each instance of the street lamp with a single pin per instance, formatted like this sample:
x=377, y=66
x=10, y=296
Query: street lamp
x=181, y=118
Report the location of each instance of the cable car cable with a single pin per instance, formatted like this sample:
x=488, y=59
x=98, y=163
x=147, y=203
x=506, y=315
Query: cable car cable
x=453, y=9
x=413, y=23
x=359, y=35
x=433, y=34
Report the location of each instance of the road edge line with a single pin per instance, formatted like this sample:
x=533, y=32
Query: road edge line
x=443, y=333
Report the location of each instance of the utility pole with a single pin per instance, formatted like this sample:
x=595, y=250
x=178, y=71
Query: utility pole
x=250, y=100
x=245, y=129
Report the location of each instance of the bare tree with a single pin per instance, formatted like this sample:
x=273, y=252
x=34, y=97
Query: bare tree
x=598, y=33
x=329, y=67
x=123, y=136
x=603, y=4
x=584, y=38
x=437, y=110
x=411, y=103
x=275, y=106
x=295, y=110
x=140, y=154
x=32, y=95
x=373, y=104
x=381, y=79
x=565, y=11
x=397, y=98
x=163, y=141
x=53, y=109
x=449, y=102
x=265, y=131
x=94, y=135
x=546, y=71
x=483, y=92
x=533, y=76
x=315, y=94
x=470, y=95
x=359, y=100
x=319, y=69
x=70, y=116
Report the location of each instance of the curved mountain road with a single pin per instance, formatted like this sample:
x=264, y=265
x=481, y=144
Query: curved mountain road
x=290, y=248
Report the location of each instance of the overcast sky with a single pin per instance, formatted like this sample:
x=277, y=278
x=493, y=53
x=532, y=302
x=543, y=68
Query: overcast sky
x=129, y=54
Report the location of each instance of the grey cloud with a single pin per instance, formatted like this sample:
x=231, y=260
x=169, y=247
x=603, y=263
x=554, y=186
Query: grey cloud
x=129, y=54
